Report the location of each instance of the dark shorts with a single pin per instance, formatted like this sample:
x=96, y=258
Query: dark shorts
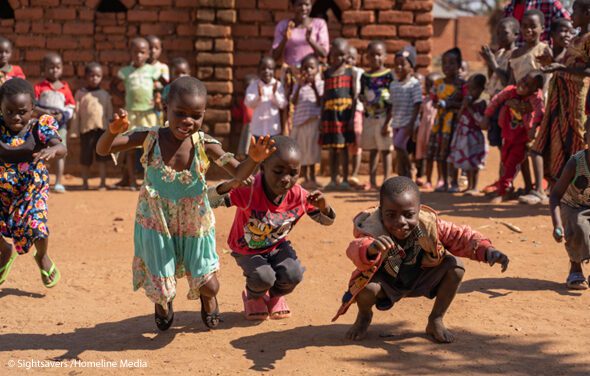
x=88, y=142
x=426, y=285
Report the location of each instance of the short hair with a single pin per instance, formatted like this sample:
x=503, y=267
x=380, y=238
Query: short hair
x=396, y=186
x=186, y=85
x=310, y=57
x=152, y=38
x=340, y=43
x=92, y=65
x=16, y=86
x=456, y=51
x=5, y=40
x=266, y=58
x=375, y=43
x=535, y=12
x=513, y=22
x=561, y=22
x=284, y=144
x=479, y=79
x=539, y=78
x=49, y=58
x=135, y=41
x=179, y=61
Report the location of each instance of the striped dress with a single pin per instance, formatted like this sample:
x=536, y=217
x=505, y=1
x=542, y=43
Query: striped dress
x=337, y=112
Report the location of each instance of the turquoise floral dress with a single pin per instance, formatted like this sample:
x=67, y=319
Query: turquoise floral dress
x=24, y=185
x=174, y=224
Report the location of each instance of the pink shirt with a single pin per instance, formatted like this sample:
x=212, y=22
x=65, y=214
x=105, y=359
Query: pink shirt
x=297, y=47
x=261, y=225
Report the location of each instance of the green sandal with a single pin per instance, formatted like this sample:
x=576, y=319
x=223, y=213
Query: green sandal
x=53, y=269
x=5, y=270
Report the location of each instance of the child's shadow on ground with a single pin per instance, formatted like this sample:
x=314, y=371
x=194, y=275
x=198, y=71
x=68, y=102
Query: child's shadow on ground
x=409, y=352
x=136, y=333
x=488, y=285
x=17, y=292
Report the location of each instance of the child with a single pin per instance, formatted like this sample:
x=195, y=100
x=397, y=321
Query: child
x=242, y=114
x=561, y=134
x=307, y=102
x=338, y=107
x=266, y=212
x=25, y=146
x=266, y=97
x=354, y=149
x=521, y=111
x=174, y=225
x=447, y=95
x=377, y=137
x=7, y=70
x=94, y=110
x=561, y=36
x=422, y=134
x=180, y=68
x=54, y=97
x=406, y=91
x=403, y=249
x=155, y=53
x=469, y=147
x=139, y=79
x=570, y=210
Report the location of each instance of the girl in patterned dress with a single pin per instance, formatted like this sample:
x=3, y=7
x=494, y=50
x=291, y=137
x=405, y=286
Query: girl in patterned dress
x=337, y=128
x=174, y=224
x=25, y=146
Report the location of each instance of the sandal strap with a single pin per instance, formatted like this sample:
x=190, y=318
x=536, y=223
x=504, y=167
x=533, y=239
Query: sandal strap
x=48, y=274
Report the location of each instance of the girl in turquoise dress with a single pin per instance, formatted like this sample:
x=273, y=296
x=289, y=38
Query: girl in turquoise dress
x=25, y=145
x=174, y=224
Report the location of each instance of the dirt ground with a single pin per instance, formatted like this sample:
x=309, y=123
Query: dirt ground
x=523, y=322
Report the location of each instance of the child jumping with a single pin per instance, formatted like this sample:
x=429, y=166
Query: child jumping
x=521, y=111
x=403, y=249
x=266, y=213
x=307, y=101
x=26, y=144
x=377, y=134
x=338, y=107
x=570, y=211
x=94, y=111
x=469, y=148
x=174, y=224
x=7, y=70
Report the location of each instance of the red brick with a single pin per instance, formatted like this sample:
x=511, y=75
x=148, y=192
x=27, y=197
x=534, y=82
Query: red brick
x=396, y=17
x=273, y=4
x=415, y=31
x=267, y=31
x=50, y=3
x=358, y=16
x=227, y=16
x=205, y=73
x=114, y=29
x=247, y=58
x=35, y=55
x=28, y=14
x=7, y=23
x=185, y=3
x=344, y=4
x=174, y=16
x=245, y=4
x=142, y=15
x=79, y=55
x=222, y=128
x=30, y=41
x=423, y=46
x=379, y=4
x=179, y=44
x=161, y=29
x=204, y=45
x=215, y=116
x=219, y=100
x=224, y=73
x=224, y=45
x=350, y=31
x=32, y=69
x=395, y=45
x=359, y=44
x=219, y=87
x=205, y=15
x=423, y=5
x=46, y=28
x=22, y=27
x=62, y=43
x=115, y=56
x=86, y=14
x=424, y=18
x=213, y=31
x=224, y=4
x=254, y=44
x=423, y=60
x=86, y=42
x=247, y=15
x=60, y=14
x=378, y=31
x=186, y=30
x=156, y=3
x=78, y=28
x=205, y=58
x=281, y=15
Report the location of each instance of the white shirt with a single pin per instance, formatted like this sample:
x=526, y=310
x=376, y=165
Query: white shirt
x=358, y=73
x=404, y=97
x=266, y=118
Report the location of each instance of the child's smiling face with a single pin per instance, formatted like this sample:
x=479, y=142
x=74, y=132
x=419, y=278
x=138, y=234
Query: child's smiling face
x=17, y=111
x=399, y=213
x=562, y=36
x=266, y=70
x=281, y=171
x=450, y=65
x=531, y=28
x=403, y=68
x=580, y=15
x=185, y=114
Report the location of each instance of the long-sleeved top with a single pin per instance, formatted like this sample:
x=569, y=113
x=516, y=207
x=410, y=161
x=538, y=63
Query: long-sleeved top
x=266, y=118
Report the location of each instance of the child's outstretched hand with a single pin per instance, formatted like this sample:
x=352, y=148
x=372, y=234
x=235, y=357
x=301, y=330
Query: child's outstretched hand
x=46, y=154
x=558, y=234
x=381, y=245
x=494, y=256
x=120, y=122
x=261, y=148
x=317, y=199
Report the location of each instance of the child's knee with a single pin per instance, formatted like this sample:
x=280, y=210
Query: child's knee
x=211, y=288
x=261, y=279
x=292, y=274
x=368, y=295
x=456, y=274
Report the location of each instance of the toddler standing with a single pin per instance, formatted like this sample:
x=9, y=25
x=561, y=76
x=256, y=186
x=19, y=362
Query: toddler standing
x=7, y=70
x=427, y=115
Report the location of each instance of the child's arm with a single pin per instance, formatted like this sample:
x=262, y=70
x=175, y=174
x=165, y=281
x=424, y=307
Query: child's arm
x=557, y=192
x=253, y=94
x=218, y=194
x=325, y=215
x=498, y=100
x=316, y=45
x=366, y=252
x=112, y=142
x=463, y=241
x=417, y=99
x=278, y=95
x=316, y=92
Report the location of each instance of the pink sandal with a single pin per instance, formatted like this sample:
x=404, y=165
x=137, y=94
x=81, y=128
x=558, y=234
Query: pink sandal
x=254, y=309
x=278, y=308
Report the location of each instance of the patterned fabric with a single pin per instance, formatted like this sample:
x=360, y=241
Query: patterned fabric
x=552, y=9
x=562, y=131
x=375, y=93
x=24, y=186
x=174, y=224
x=444, y=123
x=337, y=112
x=11, y=71
x=404, y=97
x=427, y=116
x=469, y=148
x=577, y=194
x=308, y=108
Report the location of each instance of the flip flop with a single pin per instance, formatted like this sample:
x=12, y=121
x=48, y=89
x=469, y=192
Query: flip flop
x=278, y=308
x=211, y=320
x=5, y=270
x=576, y=281
x=53, y=270
x=254, y=309
x=164, y=322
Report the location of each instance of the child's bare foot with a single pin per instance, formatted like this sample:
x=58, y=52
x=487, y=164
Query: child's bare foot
x=436, y=329
x=358, y=331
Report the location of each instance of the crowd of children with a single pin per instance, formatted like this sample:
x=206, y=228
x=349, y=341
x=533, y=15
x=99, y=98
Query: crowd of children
x=537, y=108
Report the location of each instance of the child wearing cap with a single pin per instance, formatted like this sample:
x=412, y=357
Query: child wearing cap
x=407, y=91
